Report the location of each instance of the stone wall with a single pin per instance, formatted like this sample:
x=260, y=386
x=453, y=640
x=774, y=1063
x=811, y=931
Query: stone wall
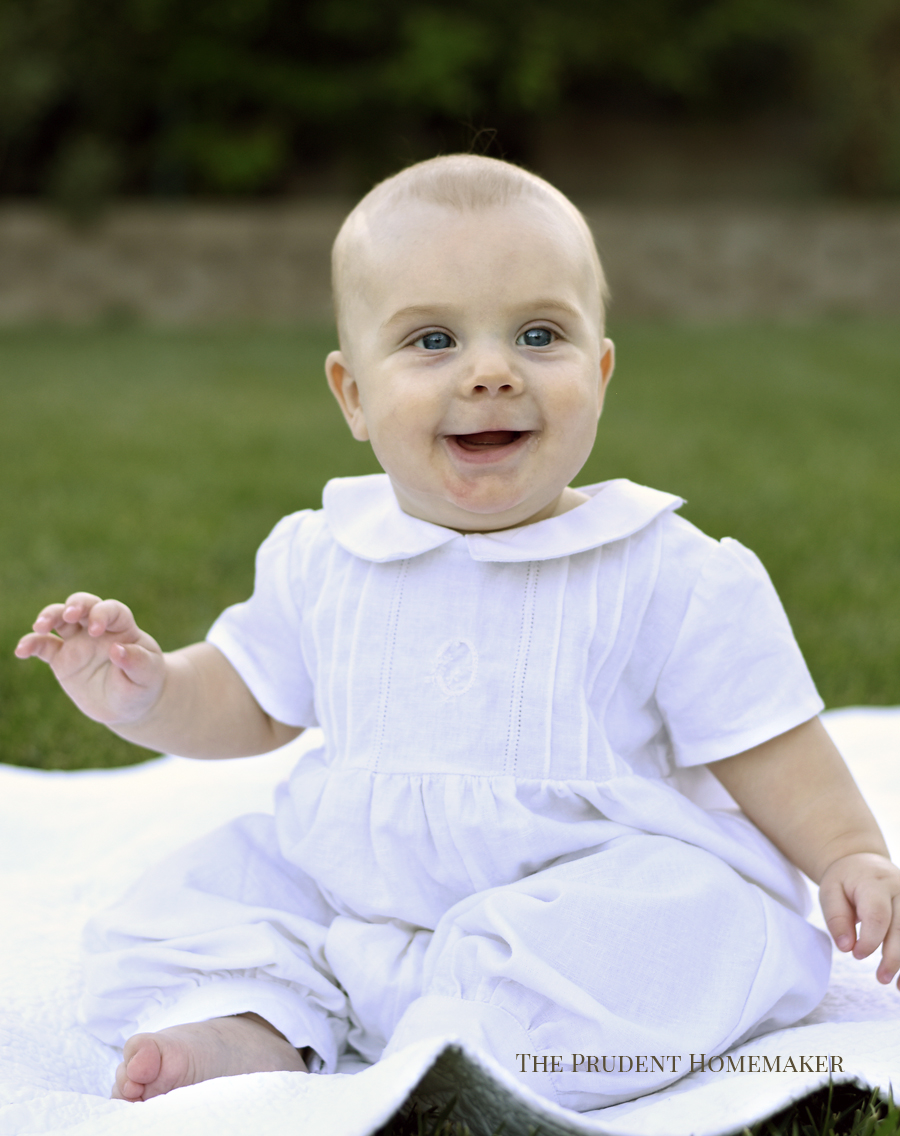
x=193, y=265
x=730, y=263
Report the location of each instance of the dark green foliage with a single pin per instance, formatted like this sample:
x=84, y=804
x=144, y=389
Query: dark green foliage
x=238, y=96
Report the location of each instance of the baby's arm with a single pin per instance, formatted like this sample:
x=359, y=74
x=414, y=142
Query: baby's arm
x=191, y=702
x=798, y=791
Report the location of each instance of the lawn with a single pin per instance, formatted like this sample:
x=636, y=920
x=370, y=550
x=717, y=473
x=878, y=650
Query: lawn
x=149, y=466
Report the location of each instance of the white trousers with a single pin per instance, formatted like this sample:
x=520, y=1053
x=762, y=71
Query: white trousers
x=647, y=948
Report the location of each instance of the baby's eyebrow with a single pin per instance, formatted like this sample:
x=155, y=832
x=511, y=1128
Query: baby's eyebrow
x=414, y=311
x=552, y=305
x=432, y=311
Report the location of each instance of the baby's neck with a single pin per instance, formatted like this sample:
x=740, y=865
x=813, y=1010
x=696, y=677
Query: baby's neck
x=569, y=499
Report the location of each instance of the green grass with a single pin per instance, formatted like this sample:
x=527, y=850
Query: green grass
x=149, y=466
x=837, y=1110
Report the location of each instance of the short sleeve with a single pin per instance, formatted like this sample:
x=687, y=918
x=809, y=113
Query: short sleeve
x=262, y=637
x=735, y=676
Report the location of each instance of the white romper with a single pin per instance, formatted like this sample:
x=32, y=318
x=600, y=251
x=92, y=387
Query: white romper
x=508, y=834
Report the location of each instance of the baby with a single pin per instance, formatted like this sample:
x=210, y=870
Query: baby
x=540, y=705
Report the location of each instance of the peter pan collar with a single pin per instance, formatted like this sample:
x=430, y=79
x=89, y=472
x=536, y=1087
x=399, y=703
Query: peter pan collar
x=365, y=519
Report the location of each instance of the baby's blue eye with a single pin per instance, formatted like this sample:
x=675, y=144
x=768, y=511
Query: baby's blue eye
x=434, y=341
x=535, y=337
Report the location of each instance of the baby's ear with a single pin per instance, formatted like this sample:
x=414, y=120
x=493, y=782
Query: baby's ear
x=607, y=360
x=344, y=388
x=607, y=366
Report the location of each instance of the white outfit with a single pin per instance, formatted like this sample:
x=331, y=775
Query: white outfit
x=509, y=833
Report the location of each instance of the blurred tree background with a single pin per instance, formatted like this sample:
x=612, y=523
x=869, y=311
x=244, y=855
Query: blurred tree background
x=245, y=97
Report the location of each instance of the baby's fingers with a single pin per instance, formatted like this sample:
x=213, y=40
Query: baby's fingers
x=142, y=667
x=51, y=619
x=77, y=608
x=864, y=888
x=34, y=646
x=890, y=952
x=840, y=916
x=874, y=912
x=100, y=616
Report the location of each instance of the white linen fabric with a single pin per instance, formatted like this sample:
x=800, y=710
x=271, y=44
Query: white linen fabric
x=507, y=834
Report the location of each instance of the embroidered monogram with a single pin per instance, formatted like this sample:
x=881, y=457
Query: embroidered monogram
x=455, y=667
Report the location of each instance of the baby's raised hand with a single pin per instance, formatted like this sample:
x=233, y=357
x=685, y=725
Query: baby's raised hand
x=864, y=889
x=112, y=671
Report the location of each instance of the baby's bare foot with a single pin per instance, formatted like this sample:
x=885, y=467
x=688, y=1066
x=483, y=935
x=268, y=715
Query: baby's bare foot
x=155, y=1063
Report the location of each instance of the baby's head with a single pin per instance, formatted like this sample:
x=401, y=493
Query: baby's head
x=469, y=299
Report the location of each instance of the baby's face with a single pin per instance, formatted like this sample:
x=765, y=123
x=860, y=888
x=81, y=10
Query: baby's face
x=474, y=362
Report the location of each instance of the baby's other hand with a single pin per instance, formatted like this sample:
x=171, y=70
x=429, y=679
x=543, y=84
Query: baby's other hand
x=864, y=889
x=112, y=671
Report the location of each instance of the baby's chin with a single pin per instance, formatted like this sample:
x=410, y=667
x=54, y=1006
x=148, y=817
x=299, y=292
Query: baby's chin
x=470, y=514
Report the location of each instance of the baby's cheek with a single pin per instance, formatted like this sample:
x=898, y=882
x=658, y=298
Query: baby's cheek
x=580, y=429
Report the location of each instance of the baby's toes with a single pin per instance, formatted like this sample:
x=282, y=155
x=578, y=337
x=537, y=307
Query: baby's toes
x=140, y=1069
x=143, y=1058
x=125, y=1089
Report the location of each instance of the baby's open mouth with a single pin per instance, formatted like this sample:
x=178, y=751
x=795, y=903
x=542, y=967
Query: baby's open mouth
x=488, y=439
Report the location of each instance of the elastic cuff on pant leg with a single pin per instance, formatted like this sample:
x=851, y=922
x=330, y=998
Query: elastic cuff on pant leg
x=286, y=1009
x=485, y=1027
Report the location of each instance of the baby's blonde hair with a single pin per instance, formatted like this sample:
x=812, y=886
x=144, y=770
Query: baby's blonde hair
x=465, y=183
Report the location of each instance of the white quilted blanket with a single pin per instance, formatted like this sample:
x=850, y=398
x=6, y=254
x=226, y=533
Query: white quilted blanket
x=71, y=842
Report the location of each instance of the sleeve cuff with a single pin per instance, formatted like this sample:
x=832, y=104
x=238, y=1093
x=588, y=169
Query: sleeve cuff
x=702, y=752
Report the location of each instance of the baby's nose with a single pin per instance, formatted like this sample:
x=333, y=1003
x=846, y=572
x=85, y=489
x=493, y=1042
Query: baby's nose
x=492, y=375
